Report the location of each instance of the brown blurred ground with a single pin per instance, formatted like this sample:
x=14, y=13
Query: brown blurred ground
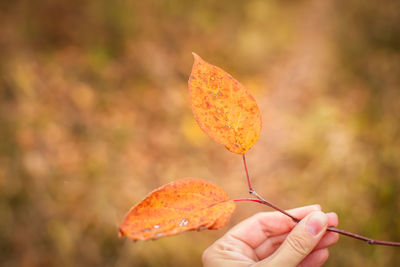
x=94, y=114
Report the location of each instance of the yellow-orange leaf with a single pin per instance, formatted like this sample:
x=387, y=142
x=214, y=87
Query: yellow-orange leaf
x=182, y=205
x=223, y=107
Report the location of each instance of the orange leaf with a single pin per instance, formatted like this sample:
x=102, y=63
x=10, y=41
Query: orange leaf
x=223, y=107
x=182, y=205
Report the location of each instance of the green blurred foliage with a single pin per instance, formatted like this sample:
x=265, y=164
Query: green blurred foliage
x=94, y=114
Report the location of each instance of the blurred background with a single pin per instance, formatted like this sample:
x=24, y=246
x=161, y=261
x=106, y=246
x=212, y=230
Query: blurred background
x=94, y=114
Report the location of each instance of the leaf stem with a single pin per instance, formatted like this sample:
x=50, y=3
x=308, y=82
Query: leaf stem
x=261, y=200
x=247, y=174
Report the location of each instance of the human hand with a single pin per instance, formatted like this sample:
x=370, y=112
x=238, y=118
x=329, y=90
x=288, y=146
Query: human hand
x=273, y=239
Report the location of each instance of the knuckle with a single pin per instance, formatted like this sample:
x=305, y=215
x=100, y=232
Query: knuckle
x=299, y=244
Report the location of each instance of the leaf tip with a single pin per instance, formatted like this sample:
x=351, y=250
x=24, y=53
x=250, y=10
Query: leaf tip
x=196, y=57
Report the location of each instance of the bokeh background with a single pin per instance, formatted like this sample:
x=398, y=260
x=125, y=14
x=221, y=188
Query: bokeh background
x=94, y=114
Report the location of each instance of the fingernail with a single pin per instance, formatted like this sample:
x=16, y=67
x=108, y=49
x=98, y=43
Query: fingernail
x=316, y=223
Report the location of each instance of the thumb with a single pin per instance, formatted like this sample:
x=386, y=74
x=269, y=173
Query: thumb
x=300, y=241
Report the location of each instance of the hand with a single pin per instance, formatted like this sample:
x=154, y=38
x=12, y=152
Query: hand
x=273, y=239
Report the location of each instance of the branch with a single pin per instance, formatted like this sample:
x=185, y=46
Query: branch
x=261, y=200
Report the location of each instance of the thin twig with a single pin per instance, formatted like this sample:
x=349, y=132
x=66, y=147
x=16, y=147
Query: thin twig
x=261, y=200
x=330, y=228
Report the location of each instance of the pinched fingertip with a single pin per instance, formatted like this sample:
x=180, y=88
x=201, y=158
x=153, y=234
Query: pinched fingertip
x=333, y=219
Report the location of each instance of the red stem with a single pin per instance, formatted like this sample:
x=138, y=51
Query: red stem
x=260, y=200
x=247, y=174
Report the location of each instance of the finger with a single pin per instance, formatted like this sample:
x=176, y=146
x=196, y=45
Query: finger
x=328, y=240
x=269, y=246
x=272, y=243
x=332, y=219
x=256, y=229
x=316, y=258
x=301, y=240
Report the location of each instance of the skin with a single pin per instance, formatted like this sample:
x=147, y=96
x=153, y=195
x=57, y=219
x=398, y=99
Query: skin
x=273, y=239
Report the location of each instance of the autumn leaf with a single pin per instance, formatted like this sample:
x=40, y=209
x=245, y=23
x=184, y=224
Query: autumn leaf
x=182, y=205
x=223, y=108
